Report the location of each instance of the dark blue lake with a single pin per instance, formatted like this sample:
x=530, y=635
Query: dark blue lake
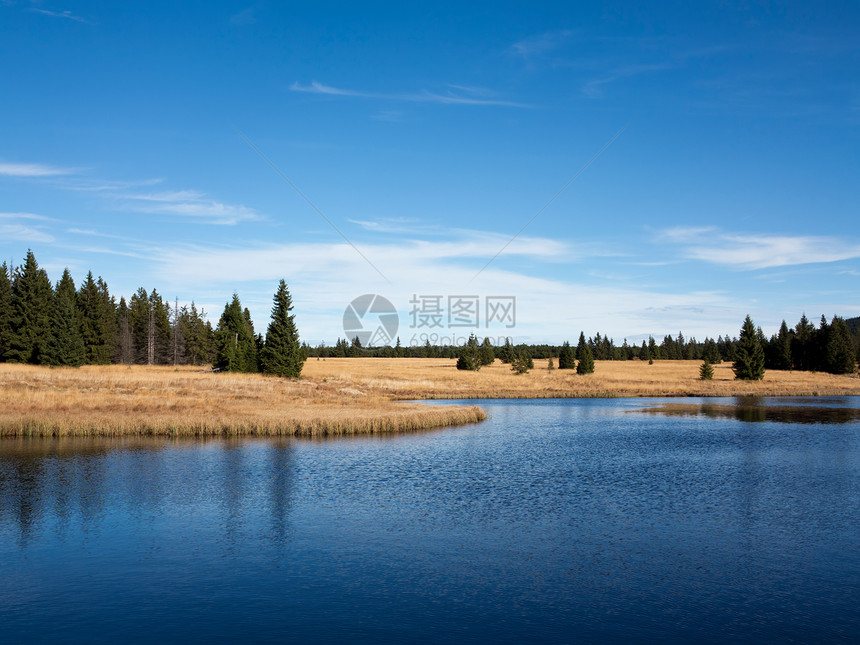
x=554, y=521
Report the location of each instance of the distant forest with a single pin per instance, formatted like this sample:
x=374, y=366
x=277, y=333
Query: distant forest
x=832, y=346
x=61, y=324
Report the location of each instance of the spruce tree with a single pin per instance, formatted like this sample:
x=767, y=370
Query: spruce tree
x=586, y=361
x=282, y=353
x=236, y=348
x=839, y=355
x=124, y=345
x=522, y=362
x=488, y=356
x=98, y=320
x=66, y=344
x=706, y=371
x=32, y=300
x=5, y=309
x=749, y=355
x=469, y=357
x=581, y=345
x=566, y=361
x=506, y=352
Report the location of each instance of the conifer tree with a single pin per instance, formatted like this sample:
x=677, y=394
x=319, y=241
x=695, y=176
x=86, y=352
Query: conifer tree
x=566, y=361
x=580, y=347
x=711, y=353
x=586, y=361
x=98, y=320
x=488, y=355
x=706, y=371
x=236, y=348
x=32, y=300
x=66, y=344
x=5, y=309
x=506, y=352
x=839, y=356
x=469, y=356
x=124, y=345
x=282, y=354
x=522, y=362
x=644, y=352
x=749, y=355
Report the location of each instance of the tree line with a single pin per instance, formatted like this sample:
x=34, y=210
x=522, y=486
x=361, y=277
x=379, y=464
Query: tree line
x=64, y=325
x=833, y=346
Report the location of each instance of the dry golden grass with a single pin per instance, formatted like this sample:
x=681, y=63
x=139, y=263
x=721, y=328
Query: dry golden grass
x=337, y=396
x=122, y=400
x=413, y=378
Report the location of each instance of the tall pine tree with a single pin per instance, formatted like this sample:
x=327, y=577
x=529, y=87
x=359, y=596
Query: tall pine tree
x=236, y=347
x=749, y=355
x=566, y=360
x=66, y=344
x=32, y=300
x=282, y=354
x=5, y=309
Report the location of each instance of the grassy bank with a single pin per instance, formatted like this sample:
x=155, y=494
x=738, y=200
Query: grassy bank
x=337, y=396
x=415, y=378
x=122, y=400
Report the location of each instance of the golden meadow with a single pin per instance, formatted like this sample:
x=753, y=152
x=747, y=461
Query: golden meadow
x=334, y=397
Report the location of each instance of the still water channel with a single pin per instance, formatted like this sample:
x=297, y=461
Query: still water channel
x=554, y=521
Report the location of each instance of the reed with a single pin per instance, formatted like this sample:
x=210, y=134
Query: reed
x=168, y=401
x=338, y=396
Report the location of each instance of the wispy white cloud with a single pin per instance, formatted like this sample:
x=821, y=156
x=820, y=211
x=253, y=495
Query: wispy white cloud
x=68, y=15
x=25, y=227
x=32, y=170
x=542, y=44
x=323, y=278
x=30, y=216
x=759, y=251
x=190, y=204
x=596, y=88
x=462, y=95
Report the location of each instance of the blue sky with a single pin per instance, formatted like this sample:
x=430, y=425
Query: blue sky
x=156, y=144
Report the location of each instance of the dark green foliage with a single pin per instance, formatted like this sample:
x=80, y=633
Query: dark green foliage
x=5, y=309
x=123, y=343
x=150, y=327
x=236, y=347
x=470, y=355
x=282, y=353
x=566, y=360
x=98, y=320
x=32, y=301
x=522, y=362
x=586, y=361
x=653, y=352
x=749, y=355
x=506, y=352
x=197, y=336
x=488, y=356
x=644, y=352
x=778, y=352
x=706, y=371
x=839, y=354
x=66, y=344
x=801, y=344
x=581, y=345
x=550, y=365
x=710, y=352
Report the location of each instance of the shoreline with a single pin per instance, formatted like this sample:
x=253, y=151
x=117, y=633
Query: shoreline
x=340, y=397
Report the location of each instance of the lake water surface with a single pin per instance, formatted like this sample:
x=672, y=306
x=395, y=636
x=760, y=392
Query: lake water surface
x=554, y=521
